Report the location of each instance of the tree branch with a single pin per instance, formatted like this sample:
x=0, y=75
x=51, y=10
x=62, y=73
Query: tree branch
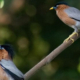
x=50, y=57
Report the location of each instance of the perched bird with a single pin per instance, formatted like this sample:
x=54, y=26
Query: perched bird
x=69, y=15
x=8, y=70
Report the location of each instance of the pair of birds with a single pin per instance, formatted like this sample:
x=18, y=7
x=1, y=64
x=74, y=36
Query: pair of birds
x=8, y=70
x=70, y=16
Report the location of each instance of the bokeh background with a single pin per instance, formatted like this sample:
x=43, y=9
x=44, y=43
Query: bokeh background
x=34, y=32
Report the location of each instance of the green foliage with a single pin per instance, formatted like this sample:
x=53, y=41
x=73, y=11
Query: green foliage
x=34, y=31
x=1, y=3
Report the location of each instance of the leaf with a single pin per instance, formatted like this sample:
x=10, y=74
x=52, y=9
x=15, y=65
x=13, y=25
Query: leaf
x=1, y=3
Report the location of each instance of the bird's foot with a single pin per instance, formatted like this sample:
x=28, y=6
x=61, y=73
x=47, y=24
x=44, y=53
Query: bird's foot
x=70, y=37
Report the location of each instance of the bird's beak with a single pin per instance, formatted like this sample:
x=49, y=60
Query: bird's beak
x=51, y=8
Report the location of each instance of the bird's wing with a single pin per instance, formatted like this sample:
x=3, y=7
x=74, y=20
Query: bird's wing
x=73, y=13
x=13, y=76
x=9, y=65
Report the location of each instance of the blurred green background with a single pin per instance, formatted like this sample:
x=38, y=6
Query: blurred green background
x=34, y=32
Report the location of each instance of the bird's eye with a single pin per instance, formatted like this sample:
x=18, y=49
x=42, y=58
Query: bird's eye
x=57, y=5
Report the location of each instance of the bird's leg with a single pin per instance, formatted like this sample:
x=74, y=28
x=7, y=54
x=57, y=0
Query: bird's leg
x=70, y=37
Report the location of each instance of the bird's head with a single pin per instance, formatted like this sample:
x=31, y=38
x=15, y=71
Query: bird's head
x=58, y=4
x=6, y=51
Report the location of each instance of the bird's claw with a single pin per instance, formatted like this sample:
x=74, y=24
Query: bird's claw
x=73, y=34
x=70, y=37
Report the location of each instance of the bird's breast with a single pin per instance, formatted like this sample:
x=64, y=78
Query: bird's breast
x=65, y=18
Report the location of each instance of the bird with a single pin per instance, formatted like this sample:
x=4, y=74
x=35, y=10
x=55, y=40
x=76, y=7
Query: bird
x=8, y=70
x=68, y=15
